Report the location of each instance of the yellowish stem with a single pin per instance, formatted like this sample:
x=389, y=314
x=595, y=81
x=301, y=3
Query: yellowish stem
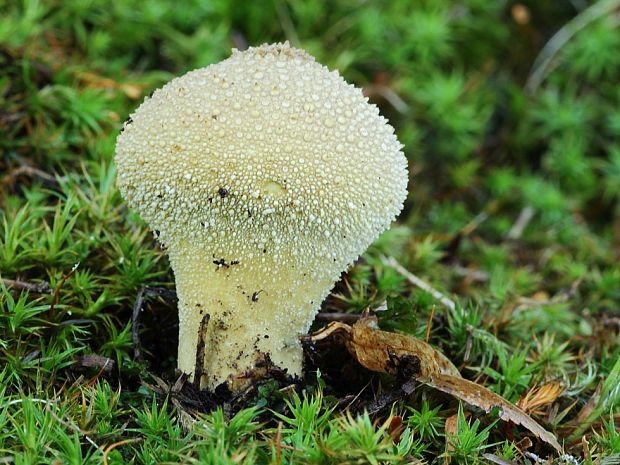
x=251, y=315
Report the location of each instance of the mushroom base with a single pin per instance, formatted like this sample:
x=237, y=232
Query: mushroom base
x=236, y=313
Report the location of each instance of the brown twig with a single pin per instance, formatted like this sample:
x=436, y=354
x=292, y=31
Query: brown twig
x=388, y=95
x=470, y=273
x=546, y=59
x=37, y=288
x=474, y=223
x=352, y=399
x=58, y=288
x=10, y=178
x=519, y=226
x=429, y=325
x=413, y=279
x=135, y=324
x=96, y=361
x=278, y=441
x=91, y=382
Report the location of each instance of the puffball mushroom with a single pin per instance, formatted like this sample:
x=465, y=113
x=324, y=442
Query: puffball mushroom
x=264, y=176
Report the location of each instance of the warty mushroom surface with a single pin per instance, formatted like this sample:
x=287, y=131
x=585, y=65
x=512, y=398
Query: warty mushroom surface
x=265, y=176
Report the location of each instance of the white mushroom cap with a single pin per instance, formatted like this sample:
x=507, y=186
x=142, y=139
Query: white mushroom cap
x=265, y=175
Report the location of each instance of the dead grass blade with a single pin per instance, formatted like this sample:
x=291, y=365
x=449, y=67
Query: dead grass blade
x=487, y=400
x=536, y=398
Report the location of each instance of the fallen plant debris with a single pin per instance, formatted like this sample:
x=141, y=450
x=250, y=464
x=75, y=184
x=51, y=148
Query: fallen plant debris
x=37, y=288
x=105, y=364
x=391, y=353
x=413, y=279
x=536, y=398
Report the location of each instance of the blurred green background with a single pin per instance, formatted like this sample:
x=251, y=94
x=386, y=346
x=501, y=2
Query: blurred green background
x=487, y=108
x=509, y=113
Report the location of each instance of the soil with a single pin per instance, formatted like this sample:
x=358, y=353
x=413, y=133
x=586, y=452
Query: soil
x=353, y=386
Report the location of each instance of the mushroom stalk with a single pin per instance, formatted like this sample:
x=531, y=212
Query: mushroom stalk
x=250, y=317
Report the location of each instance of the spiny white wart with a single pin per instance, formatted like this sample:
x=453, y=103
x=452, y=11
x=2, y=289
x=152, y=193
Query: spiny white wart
x=265, y=176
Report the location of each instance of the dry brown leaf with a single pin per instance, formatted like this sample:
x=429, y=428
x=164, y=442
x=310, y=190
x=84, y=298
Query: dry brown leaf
x=451, y=424
x=451, y=429
x=383, y=351
x=395, y=428
x=483, y=398
x=394, y=353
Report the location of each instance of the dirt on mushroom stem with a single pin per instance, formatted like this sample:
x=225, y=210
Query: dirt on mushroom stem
x=241, y=329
